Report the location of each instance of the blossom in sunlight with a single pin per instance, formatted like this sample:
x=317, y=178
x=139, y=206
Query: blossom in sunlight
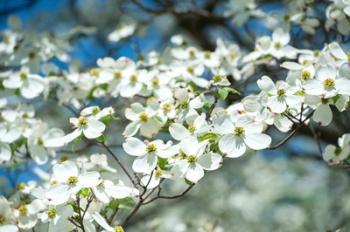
x=143, y=119
x=29, y=85
x=239, y=135
x=194, y=159
x=89, y=126
x=280, y=96
x=147, y=154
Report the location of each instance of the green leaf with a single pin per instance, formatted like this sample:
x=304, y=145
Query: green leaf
x=162, y=163
x=84, y=192
x=224, y=92
x=206, y=136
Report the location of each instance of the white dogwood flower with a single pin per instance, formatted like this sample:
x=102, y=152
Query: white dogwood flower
x=193, y=159
x=237, y=136
x=29, y=85
x=147, y=153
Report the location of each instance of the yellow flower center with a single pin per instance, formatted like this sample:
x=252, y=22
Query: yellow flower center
x=191, y=128
x=305, y=75
x=40, y=141
x=192, y=53
x=217, y=78
x=329, y=83
x=191, y=159
x=82, y=121
x=151, y=148
x=23, y=210
x=133, y=78
x=51, y=213
x=23, y=76
x=21, y=186
x=317, y=53
x=143, y=117
x=281, y=92
x=158, y=173
x=95, y=110
x=277, y=45
x=155, y=81
x=72, y=180
x=166, y=107
x=94, y=72
x=207, y=54
x=239, y=131
x=190, y=70
x=117, y=75
x=233, y=55
x=118, y=229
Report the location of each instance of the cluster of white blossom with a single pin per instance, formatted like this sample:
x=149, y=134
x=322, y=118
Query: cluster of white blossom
x=338, y=13
x=80, y=189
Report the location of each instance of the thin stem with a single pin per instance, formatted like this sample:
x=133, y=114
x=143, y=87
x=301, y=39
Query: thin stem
x=120, y=164
x=290, y=135
x=169, y=197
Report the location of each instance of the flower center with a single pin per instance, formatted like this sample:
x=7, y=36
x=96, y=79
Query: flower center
x=118, y=229
x=191, y=129
x=40, y=141
x=117, y=75
x=2, y=219
x=192, y=53
x=166, y=107
x=155, y=81
x=94, y=72
x=191, y=159
x=23, y=210
x=281, y=92
x=95, y=110
x=143, y=117
x=82, y=121
x=317, y=53
x=239, y=131
x=133, y=78
x=277, y=45
x=23, y=76
x=207, y=54
x=329, y=83
x=217, y=78
x=21, y=186
x=305, y=75
x=158, y=173
x=72, y=180
x=190, y=70
x=51, y=213
x=151, y=148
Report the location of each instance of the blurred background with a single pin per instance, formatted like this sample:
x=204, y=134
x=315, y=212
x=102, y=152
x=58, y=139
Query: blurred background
x=289, y=189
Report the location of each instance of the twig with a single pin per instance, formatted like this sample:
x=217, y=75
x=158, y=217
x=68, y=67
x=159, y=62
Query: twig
x=120, y=164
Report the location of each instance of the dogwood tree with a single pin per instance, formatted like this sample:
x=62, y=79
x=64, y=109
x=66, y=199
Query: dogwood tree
x=183, y=111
